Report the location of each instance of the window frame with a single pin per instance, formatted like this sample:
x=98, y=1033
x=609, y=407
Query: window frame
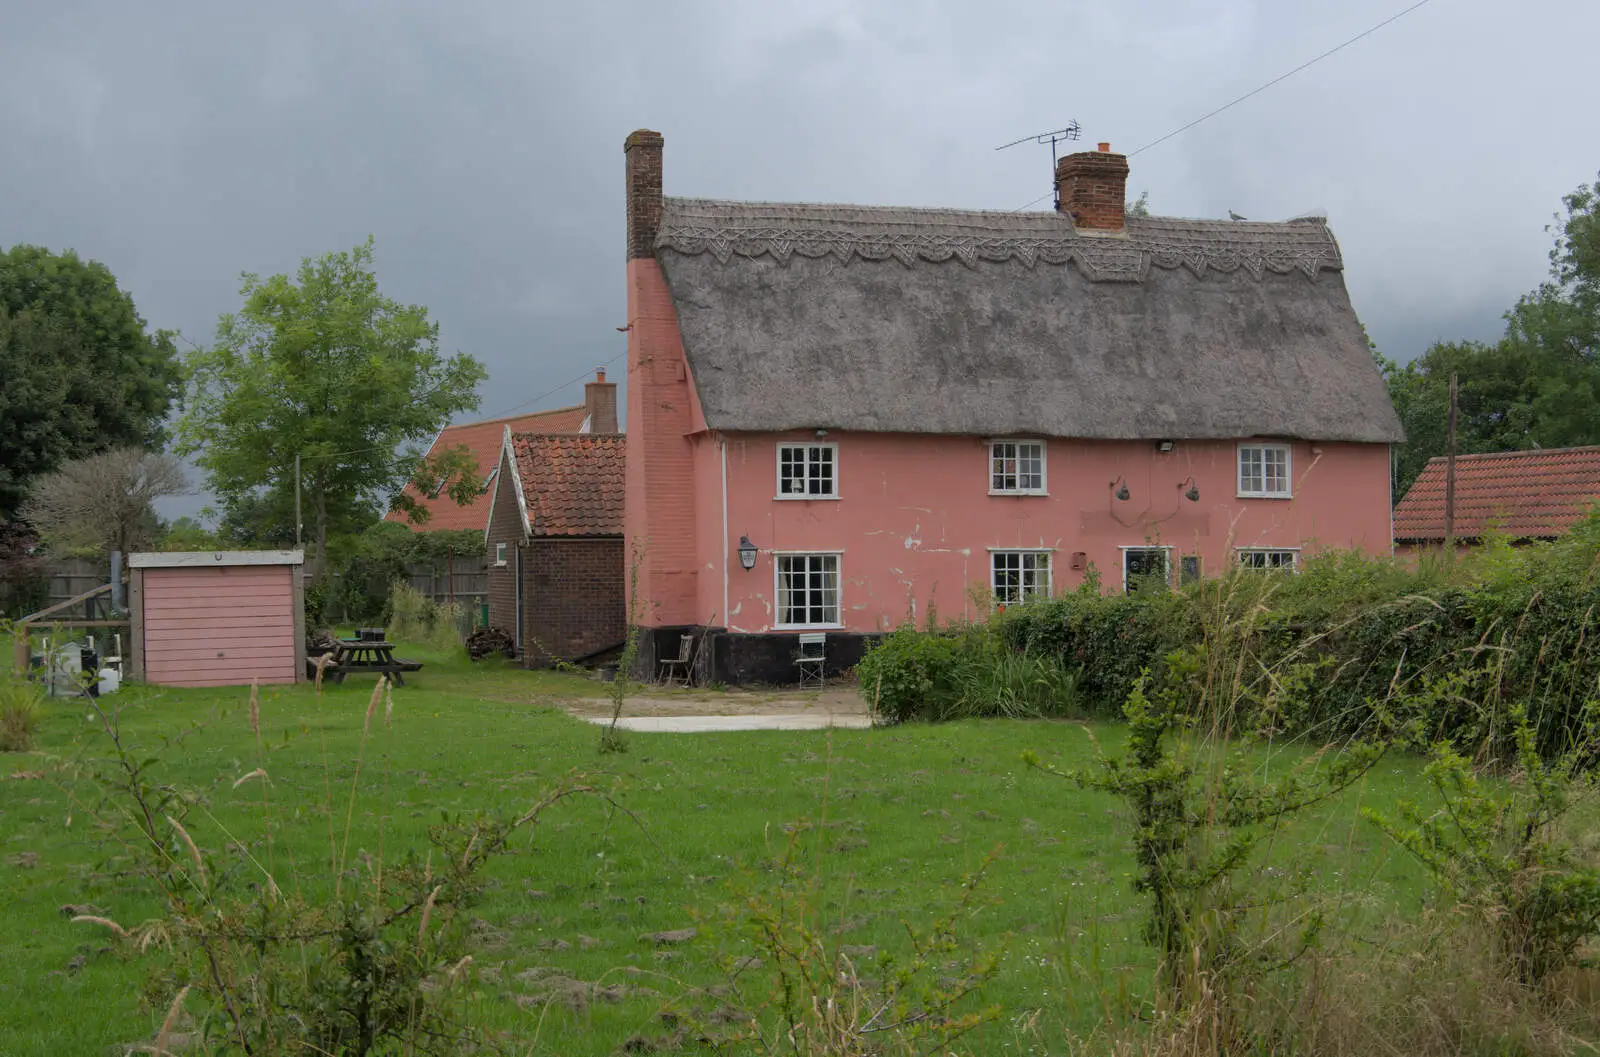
x=777, y=470
x=499, y=555
x=1263, y=446
x=778, y=558
x=1199, y=568
x=1048, y=553
x=1166, y=549
x=1044, y=465
x=1292, y=552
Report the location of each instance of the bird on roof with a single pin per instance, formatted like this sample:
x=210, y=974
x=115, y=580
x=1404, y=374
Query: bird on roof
x=1235, y=216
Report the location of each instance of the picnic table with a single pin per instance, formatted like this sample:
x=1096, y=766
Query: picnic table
x=369, y=655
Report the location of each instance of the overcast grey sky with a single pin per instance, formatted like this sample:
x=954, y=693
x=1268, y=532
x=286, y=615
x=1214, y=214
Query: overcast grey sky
x=481, y=142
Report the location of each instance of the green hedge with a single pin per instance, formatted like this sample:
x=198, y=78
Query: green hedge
x=1441, y=652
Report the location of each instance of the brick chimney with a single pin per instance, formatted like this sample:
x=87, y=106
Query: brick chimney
x=643, y=151
x=600, y=403
x=1092, y=188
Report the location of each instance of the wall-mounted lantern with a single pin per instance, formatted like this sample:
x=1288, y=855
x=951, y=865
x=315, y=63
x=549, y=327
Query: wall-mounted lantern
x=747, y=553
x=1193, y=494
x=1121, y=486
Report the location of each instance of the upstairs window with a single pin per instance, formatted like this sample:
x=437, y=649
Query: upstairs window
x=808, y=590
x=1016, y=467
x=1018, y=576
x=499, y=553
x=1264, y=471
x=1268, y=559
x=808, y=471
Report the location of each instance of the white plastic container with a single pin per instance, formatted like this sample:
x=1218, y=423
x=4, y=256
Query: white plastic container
x=110, y=679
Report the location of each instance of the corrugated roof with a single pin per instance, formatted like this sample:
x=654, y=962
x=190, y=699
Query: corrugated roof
x=572, y=482
x=1524, y=494
x=483, y=440
x=890, y=319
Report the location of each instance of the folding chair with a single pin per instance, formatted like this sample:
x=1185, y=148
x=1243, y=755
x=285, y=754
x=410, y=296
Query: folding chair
x=810, y=659
x=678, y=667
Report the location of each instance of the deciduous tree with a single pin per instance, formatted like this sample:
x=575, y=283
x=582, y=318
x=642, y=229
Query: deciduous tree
x=324, y=366
x=104, y=502
x=81, y=371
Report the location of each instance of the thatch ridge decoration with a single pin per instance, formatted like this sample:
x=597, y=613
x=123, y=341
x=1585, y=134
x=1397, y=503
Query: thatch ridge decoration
x=694, y=226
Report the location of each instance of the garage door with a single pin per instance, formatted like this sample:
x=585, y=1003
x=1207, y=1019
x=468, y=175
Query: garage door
x=219, y=626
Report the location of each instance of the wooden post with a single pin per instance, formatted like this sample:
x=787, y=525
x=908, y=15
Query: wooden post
x=1450, y=479
x=133, y=667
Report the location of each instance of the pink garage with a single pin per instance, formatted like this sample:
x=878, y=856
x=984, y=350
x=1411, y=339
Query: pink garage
x=217, y=618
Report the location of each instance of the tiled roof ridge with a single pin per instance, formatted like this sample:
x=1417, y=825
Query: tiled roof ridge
x=1518, y=453
x=513, y=418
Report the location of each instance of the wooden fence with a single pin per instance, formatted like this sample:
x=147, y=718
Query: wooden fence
x=464, y=581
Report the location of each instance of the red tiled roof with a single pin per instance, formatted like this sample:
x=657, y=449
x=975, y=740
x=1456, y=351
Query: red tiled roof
x=483, y=440
x=1521, y=493
x=571, y=482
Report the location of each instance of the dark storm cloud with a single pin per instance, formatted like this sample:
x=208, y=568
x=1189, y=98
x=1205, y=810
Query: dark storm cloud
x=481, y=143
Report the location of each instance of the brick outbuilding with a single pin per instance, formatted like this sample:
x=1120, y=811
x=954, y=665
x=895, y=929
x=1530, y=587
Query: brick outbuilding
x=557, y=570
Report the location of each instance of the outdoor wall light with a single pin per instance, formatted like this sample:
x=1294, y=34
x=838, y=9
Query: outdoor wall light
x=747, y=553
x=1164, y=446
x=1193, y=494
x=1122, y=489
x=822, y=433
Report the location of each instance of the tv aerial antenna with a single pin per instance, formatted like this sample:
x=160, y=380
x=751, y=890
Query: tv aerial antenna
x=1071, y=132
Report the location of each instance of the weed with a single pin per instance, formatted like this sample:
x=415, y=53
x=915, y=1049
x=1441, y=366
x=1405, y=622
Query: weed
x=21, y=707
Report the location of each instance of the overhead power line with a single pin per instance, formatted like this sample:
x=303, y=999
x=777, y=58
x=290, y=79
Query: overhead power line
x=1258, y=90
x=1282, y=77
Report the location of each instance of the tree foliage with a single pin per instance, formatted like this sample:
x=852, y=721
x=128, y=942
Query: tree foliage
x=104, y=502
x=1538, y=386
x=324, y=366
x=82, y=372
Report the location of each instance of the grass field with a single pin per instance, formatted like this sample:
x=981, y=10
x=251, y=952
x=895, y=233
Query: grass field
x=913, y=808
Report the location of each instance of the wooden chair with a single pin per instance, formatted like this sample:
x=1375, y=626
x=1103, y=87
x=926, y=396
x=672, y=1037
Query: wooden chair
x=810, y=659
x=676, y=667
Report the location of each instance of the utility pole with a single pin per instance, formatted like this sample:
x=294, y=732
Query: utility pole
x=297, y=501
x=1450, y=480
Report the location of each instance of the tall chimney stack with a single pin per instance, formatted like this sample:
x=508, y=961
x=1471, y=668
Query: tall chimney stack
x=1092, y=188
x=643, y=151
x=600, y=403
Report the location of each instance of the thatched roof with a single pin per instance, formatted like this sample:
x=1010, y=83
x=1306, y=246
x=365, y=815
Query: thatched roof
x=946, y=321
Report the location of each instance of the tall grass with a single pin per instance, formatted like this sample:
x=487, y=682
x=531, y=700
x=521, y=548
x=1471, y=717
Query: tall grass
x=414, y=617
x=21, y=707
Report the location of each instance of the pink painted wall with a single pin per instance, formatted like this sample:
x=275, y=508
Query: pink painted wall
x=915, y=521
x=219, y=626
x=659, y=520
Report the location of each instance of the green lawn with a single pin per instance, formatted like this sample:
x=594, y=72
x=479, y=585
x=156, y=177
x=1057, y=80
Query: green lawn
x=914, y=809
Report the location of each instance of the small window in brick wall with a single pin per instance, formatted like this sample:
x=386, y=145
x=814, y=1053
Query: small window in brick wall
x=499, y=553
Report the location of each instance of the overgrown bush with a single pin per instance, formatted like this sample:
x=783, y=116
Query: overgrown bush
x=1439, y=651
x=21, y=707
x=1504, y=850
x=414, y=617
x=366, y=565
x=962, y=672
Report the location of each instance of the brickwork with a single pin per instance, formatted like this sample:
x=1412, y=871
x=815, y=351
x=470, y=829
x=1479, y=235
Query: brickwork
x=600, y=404
x=660, y=515
x=572, y=596
x=1092, y=187
x=505, y=526
x=643, y=152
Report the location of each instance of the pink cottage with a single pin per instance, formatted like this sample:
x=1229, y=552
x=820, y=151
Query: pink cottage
x=843, y=418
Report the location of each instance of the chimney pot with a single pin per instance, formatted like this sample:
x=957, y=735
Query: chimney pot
x=600, y=404
x=1091, y=187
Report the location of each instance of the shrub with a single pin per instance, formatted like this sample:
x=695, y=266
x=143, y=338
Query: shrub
x=1501, y=850
x=414, y=617
x=962, y=672
x=21, y=706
